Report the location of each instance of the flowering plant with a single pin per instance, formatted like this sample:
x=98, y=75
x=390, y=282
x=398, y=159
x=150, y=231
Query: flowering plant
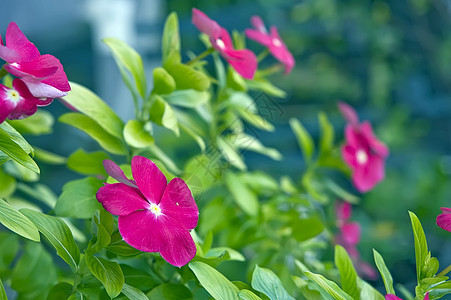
x=158, y=227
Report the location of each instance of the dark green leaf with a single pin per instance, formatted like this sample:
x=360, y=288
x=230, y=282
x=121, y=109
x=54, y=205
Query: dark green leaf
x=61, y=290
x=265, y=281
x=109, y=273
x=2, y=292
x=348, y=274
x=87, y=163
x=170, y=291
x=17, y=222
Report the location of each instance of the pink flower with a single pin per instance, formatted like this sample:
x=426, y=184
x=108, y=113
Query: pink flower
x=363, y=152
x=43, y=74
x=271, y=40
x=393, y=297
x=154, y=216
x=17, y=102
x=243, y=61
x=444, y=219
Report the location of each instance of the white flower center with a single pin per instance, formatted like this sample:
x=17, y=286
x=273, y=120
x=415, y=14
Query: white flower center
x=13, y=95
x=276, y=42
x=361, y=156
x=220, y=43
x=155, y=209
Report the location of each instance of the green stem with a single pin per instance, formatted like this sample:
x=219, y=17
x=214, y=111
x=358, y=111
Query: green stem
x=201, y=56
x=3, y=72
x=262, y=55
x=445, y=271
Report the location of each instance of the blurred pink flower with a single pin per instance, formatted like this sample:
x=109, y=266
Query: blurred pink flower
x=393, y=297
x=43, y=74
x=363, y=152
x=154, y=216
x=271, y=40
x=444, y=219
x=17, y=102
x=349, y=237
x=243, y=61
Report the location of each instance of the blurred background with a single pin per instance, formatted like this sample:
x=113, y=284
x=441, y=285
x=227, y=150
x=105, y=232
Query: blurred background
x=391, y=60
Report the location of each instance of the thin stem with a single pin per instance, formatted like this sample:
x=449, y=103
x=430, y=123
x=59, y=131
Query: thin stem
x=445, y=271
x=201, y=56
x=262, y=55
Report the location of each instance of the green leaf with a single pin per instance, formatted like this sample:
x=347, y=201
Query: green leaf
x=61, y=290
x=9, y=248
x=58, y=234
x=304, y=139
x=248, y=295
x=48, y=157
x=163, y=83
x=329, y=286
x=92, y=106
x=265, y=281
x=230, y=153
x=248, y=142
x=421, y=247
x=368, y=292
x=133, y=293
x=93, y=129
x=162, y=114
x=2, y=292
x=136, y=134
x=109, y=273
x=186, y=77
x=170, y=291
x=17, y=222
x=326, y=141
x=385, y=273
x=188, y=98
x=347, y=271
x=15, y=152
x=78, y=199
x=306, y=227
x=171, y=41
x=214, y=282
x=127, y=58
x=340, y=192
x=121, y=248
x=87, y=163
x=39, y=123
x=265, y=86
x=242, y=195
x=17, y=137
x=7, y=184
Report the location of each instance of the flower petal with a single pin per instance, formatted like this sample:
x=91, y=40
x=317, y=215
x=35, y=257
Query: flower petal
x=17, y=41
x=351, y=233
x=258, y=24
x=349, y=156
x=116, y=172
x=366, y=176
x=179, y=204
x=444, y=220
x=366, y=270
x=120, y=199
x=377, y=146
x=6, y=105
x=146, y=232
x=391, y=297
x=8, y=55
x=280, y=51
x=343, y=210
x=348, y=113
x=259, y=37
x=43, y=90
x=205, y=24
x=243, y=61
x=150, y=180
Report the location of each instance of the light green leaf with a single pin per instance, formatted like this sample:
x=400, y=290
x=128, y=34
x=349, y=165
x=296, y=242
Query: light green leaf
x=39, y=123
x=265, y=281
x=93, y=129
x=188, y=130
x=242, y=195
x=15, y=152
x=348, y=274
x=304, y=139
x=214, y=282
x=263, y=85
x=340, y=192
x=171, y=41
x=385, y=273
x=48, y=157
x=7, y=184
x=108, y=272
x=368, y=292
x=133, y=293
x=162, y=114
x=17, y=222
x=230, y=153
x=421, y=247
x=234, y=255
x=163, y=83
x=326, y=141
x=17, y=137
x=87, y=163
x=186, y=77
x=188, y=98
x=136, y=134
x=248, y=142
x=127, y=58
x=2, y=292
x=58, y=234
x=255, y=120
x=78, y=199
x=170, y=291
x=92, y=106
x=329, y=286
x=248, y=295
x=40, y=192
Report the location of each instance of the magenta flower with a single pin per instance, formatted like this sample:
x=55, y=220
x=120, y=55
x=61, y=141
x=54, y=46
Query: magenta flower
x=154, y=216
x=363, y=152
x=43, y=74
x=393, y=297
x=17, y=102
x=271, y=40
x=243, y=61
x=444, y=219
